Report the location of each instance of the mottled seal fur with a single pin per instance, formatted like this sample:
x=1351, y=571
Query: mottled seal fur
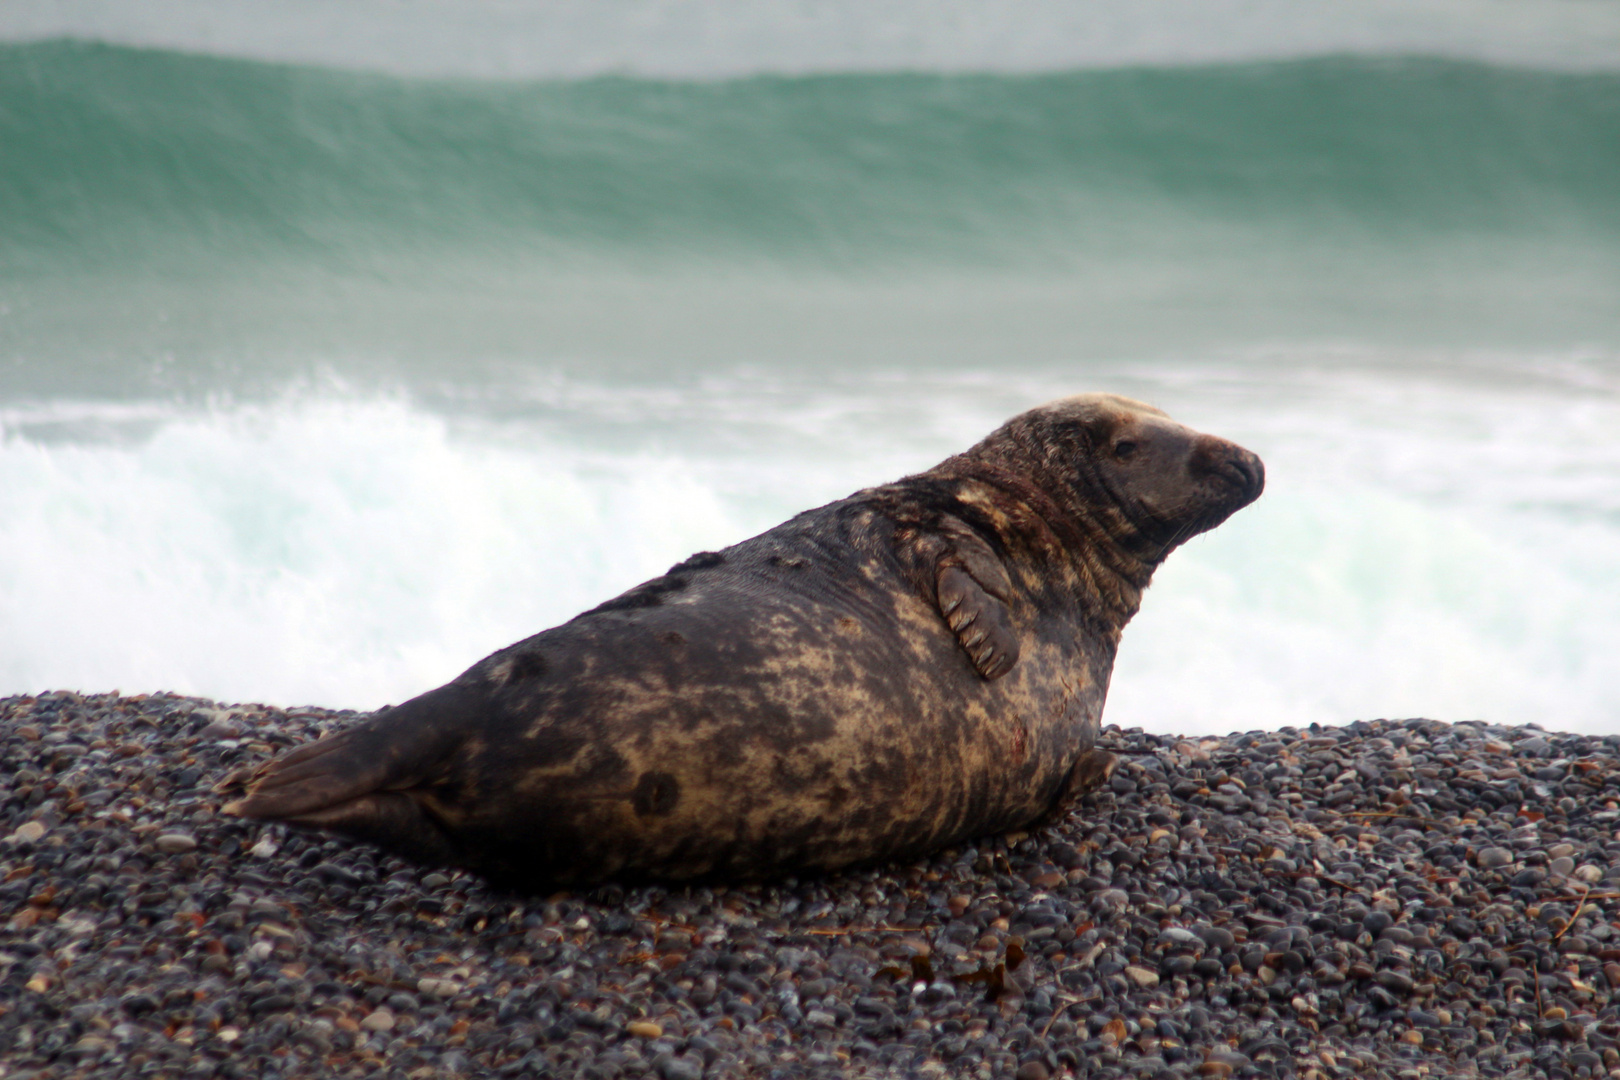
x=912, y=666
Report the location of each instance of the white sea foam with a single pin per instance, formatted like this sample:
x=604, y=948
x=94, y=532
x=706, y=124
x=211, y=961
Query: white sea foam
x=328, y=551
x=1442, y=541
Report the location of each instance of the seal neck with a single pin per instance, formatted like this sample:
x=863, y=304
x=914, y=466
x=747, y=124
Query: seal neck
x=1109, y=573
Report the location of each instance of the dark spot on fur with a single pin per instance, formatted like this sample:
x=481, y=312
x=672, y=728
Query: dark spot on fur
x=674, y=637
x=526, y=665
x=703, y=560
x=647, y=594
x=656, y=794
x=791, y=562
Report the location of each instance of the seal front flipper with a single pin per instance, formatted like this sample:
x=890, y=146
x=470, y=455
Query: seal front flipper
x=373, y=781
x=980, y=621
x=970, y=590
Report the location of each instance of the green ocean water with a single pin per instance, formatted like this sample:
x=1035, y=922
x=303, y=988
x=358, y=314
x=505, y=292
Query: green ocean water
x=1398, y=198
x=115, y=153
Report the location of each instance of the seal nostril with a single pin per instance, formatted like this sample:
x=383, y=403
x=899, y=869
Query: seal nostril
x=1247, y=472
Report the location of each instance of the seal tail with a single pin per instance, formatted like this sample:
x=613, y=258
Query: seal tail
x=371, y=781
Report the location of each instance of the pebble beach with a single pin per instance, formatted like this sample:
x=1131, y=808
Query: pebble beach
x=1391, y=898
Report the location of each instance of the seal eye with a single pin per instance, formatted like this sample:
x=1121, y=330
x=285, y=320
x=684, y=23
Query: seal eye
x=1124, y=450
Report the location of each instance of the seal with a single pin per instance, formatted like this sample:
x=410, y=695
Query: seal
x=909, y=667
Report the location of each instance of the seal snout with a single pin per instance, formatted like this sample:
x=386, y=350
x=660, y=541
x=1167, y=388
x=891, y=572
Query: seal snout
x=1252, y=470
x=1220, y=460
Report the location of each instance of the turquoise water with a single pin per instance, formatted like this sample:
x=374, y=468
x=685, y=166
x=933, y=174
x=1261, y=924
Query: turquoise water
x=120, y=154
x=1112, y=212
x=317, y=384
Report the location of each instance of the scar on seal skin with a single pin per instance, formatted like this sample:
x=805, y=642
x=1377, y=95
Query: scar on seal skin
x=909, y=667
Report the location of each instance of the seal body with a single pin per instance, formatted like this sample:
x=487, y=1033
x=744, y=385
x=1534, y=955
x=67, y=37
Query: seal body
x=912, y=666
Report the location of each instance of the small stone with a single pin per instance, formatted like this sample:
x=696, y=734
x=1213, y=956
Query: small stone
x=27, y=833
x=265, y=848
x=175, y=843
x=1413, y=1036
x=644, y=1029
x=403, y=1003
x=1395, y=982
x=1493, y=857
x=1032, y=1070
x=378, y=1020
x=1588, y=873
x=674, y=1068
x=1376, y=922
x=438, y=987
x=1118, y=899
x=1143, y=977
x=1562, y=866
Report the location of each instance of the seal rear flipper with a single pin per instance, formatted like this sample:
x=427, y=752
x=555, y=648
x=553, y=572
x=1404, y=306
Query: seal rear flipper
x=328, y=782
x=981, y=622
x=311, y=777
x=389, y=819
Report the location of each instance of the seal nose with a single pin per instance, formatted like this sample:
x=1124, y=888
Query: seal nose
x=1220, y=460
x=1253, y=471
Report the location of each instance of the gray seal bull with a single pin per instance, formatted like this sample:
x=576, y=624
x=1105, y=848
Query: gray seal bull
x=915, y=665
